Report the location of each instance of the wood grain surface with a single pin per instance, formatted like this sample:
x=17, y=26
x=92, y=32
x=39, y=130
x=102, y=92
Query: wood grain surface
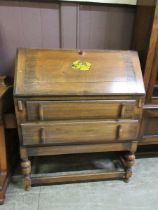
x=52, y=70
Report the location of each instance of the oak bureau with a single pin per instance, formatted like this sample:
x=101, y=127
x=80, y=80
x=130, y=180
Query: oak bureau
x=70, y=101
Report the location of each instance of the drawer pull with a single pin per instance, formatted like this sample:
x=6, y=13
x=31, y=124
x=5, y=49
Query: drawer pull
x=140, y=103
x=123, y=108
x=20, y=105
x=119, y=132
x=41, y=112
x=43, y=136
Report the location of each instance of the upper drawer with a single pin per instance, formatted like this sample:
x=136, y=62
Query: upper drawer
x=99, y=109
x=78, y=132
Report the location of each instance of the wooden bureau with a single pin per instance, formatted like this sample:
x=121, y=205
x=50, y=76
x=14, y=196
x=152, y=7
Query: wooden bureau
x=63, y=108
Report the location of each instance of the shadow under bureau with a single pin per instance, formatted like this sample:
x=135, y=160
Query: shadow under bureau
x=70, y=102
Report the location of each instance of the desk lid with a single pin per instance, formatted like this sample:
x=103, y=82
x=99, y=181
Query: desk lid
x=44, y=72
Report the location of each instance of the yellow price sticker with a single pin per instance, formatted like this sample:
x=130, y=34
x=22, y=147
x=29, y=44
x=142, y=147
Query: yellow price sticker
x=82, y=66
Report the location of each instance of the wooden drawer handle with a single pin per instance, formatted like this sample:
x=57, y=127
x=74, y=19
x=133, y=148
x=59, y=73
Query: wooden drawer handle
x=43, y=135
x=20, y=105
x=119, y=131
x=123, y=108
x=140, y=103
x=41, y=112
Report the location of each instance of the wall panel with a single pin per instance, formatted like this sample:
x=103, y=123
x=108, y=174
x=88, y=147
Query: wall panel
x=106, y=27
x=10, y=24
x=94, y=25
x=65, y=25
x=26, y=24
x=69, y=25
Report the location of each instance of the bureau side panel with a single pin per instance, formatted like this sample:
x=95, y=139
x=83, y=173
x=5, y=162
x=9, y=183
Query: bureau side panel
x=149, y=125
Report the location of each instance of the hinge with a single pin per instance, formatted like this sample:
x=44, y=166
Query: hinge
x=20, y=105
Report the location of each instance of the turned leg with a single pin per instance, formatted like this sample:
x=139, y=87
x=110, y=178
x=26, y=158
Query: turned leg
x=26, y=168
x=129, y=159
x=26, y=171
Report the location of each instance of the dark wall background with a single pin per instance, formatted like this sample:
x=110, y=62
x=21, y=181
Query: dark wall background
x=61, y=25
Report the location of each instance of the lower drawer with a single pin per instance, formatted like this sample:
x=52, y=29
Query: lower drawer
x=77, y=132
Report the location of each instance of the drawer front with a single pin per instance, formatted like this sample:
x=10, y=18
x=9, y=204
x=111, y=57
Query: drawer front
x=74, y=132
x=105, y=109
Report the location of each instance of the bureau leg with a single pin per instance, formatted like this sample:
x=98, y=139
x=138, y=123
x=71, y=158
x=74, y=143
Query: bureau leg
x=129, y=159
x=26, y=171
x=26, y=168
